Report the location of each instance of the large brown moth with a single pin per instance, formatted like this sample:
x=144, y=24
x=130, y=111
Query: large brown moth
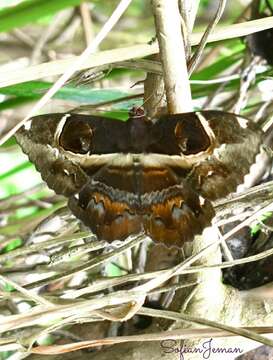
x=158, y=176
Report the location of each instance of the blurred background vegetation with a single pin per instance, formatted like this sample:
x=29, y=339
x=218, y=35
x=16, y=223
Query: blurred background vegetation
x=38, y=31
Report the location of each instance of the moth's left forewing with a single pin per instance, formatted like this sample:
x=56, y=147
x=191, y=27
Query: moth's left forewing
x=238, y=142
x=38, y=140
x=69, y=148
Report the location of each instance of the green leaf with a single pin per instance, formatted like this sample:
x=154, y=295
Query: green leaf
x=13, y=102
x=13, y=244
x=113, y=270
x=31, y=89
x=256, y=227
x=8, y=287
x=220, y=65
x=31, y=10
x=83, y=94
x=15, y=170
x=11, y=142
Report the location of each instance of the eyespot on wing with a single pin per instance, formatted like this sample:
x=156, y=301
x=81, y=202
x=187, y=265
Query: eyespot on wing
x=191, y=136
x=76, y=136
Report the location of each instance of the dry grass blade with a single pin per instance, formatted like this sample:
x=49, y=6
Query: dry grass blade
x=32, y=296
x=122, y=54
x=37, y=247
x=59, y=66
x=166, y=335
x=89, y=264
x=117, y=55
x=218, y=331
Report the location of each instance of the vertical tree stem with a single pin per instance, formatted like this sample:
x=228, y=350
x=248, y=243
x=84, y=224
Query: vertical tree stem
x=172, y=52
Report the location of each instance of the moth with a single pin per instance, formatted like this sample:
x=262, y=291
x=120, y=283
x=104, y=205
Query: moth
x=158, y=176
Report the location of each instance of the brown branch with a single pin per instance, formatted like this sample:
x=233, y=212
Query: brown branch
x=86, y=22
x=173, y=57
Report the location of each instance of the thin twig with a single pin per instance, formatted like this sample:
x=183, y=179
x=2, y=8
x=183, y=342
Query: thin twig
x=44, y=38
x=30, y=295
x=89, y=264
x=194, y=62
x=172, y=53
x=247, y=77
x=87, y=22
x=46, y=244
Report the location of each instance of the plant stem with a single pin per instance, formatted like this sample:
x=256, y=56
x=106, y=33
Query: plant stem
x=173, y=57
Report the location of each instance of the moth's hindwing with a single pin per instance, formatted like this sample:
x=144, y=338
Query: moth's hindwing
x=171, y=216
